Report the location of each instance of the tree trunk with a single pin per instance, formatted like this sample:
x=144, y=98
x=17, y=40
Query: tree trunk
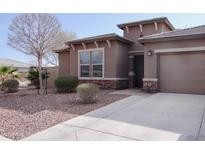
x=2, y=80
x=40, y=75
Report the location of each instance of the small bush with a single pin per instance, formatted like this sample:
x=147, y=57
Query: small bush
x=66, y=83
x=87, y=92
x=10, y=86
x=33, y=76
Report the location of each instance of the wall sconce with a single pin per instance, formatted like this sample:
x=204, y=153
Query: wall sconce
x=149, y=52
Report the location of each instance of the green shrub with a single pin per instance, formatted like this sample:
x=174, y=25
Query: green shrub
x=66, y=83
x=33, y=76
x=10, y=86
x=87, y=92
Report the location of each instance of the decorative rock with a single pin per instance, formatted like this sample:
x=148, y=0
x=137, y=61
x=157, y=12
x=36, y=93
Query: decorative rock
x=108, y=84
x=150, y=86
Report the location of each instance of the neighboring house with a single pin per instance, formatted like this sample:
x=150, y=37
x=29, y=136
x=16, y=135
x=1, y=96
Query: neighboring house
x=151, y=54
x=21, y=66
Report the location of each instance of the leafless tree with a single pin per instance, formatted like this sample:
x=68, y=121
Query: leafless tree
x=34, y=35
x=51, y=58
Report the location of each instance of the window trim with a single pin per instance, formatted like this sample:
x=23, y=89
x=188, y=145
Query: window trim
x=103, y=64
x=88, y=67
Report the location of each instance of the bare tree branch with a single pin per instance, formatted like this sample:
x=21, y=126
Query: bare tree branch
x=35, y=35
x=51, y=58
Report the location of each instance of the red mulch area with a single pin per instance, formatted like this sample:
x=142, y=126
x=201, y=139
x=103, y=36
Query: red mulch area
x=25, y=113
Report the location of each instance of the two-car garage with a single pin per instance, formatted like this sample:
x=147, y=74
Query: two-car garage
x=182, y=72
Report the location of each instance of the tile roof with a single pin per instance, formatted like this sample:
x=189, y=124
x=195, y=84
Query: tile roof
x=192, y=32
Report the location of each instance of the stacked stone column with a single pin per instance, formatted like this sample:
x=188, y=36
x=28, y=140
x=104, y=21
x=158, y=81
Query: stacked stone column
x=150, y=85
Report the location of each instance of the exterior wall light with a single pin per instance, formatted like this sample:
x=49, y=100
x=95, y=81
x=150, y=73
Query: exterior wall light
x=149, y=52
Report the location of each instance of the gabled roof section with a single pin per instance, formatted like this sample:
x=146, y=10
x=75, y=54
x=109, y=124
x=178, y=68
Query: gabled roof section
x=13, y=63
x=188, y=33
x=111, y=36
x=159, y=19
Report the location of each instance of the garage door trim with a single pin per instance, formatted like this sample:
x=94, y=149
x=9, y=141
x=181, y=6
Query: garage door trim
x=202, y=48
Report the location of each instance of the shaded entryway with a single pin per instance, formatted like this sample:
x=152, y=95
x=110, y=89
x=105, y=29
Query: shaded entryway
x=138, y=70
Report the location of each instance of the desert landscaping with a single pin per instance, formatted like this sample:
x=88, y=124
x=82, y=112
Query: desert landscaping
x=25, y=113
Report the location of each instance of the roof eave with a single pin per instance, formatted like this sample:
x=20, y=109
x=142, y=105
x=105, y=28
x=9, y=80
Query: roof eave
x=183, y=37
x=124, y=40
x=165, y=19
x=170, y=24
x=61, y=50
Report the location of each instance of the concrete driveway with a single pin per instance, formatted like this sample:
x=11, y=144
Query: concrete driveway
x=161, y=116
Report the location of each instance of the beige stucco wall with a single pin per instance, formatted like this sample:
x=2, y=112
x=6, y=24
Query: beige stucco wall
x=150, y=62
x=64, y=63
x=122, y=58
x=53, y=74
x=134, y=34
x=164, y=28
x=148, y=29
x=115, y=59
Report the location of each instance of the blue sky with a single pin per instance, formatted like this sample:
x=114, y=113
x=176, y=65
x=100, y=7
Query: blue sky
x=85, y=25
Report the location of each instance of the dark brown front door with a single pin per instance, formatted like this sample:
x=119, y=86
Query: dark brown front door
x=139, y=70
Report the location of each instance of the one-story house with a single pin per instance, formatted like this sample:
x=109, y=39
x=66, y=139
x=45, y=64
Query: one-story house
x=151, y=54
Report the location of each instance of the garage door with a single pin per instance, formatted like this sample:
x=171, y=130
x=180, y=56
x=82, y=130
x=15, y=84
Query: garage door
x=182, y=73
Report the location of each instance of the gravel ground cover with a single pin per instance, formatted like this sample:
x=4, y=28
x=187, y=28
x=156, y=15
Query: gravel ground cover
x=25, y=113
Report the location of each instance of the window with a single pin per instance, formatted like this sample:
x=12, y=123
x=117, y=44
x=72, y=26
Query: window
x=97, y=70
x=85, y=64
x=91, y=63
x=97, y=63
x=84, y=58
x=85, y=71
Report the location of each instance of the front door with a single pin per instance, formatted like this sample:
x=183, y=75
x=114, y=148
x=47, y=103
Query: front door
x=139, y=70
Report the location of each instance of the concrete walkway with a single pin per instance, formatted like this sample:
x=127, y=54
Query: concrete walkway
x=157, y=117
x=131, y=92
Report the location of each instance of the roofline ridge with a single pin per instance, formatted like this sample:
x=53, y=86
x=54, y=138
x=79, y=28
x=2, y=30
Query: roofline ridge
x=143, y=20
x=93, y=36
x=155, y=19
x=106, y=35
x=171, y=31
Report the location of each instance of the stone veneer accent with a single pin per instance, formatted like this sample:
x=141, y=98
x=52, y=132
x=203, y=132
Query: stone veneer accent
x=150, y=85
x=108, y=84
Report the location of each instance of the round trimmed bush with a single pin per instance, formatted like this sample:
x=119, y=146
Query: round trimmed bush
x=66, y=84
x=10, y=86
x=87, y=92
